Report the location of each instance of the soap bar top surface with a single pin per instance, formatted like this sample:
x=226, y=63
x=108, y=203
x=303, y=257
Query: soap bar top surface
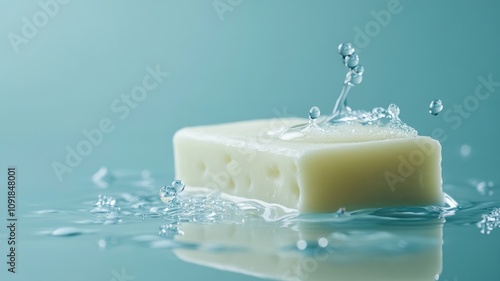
x=359, y=167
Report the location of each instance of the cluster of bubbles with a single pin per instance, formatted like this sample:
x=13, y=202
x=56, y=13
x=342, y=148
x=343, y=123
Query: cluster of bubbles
x=196, y=205
x=175, y=208
x=489, y=221
x=197, y=208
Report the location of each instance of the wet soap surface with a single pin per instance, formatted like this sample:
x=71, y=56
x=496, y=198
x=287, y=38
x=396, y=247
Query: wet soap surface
x=353, y=166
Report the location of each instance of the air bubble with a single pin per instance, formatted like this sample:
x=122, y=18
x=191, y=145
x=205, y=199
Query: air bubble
x=435, y=107
x=346, y=49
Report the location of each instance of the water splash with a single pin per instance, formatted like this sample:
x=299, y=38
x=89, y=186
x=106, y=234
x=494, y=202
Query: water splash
x=379, y=123
x=168, y=193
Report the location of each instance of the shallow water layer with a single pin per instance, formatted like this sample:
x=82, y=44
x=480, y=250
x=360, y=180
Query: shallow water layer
x=127, y=233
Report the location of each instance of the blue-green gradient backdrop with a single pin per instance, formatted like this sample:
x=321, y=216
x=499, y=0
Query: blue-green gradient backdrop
x=250, y=61
x=262, y=57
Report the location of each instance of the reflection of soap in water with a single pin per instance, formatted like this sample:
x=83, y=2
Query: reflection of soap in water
x=324, y=251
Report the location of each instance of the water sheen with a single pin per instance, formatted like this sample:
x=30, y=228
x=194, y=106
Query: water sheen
x=207, y=227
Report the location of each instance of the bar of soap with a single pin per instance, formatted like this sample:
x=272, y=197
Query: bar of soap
x=360, y=167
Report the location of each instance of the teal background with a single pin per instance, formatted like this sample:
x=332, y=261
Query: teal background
x=263, y=57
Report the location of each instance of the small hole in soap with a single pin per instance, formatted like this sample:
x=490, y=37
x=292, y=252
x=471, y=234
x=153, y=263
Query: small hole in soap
x=248, y=184
x=295, y=190
x=231, y=184
x=202, y=167
x=273, y=172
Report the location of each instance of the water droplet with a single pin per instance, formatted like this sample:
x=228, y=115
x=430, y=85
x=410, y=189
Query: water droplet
x=393, y=110
x=301, y=244
x=169, y=230
x=435, y=107
x=322, y=242
x=359, y=69
x=102, y=243
x=314, y=113
x=353, y=78
x=167, y=194
x=345, y=49
x=178, y=185
x=465, y=150
x=351, y=61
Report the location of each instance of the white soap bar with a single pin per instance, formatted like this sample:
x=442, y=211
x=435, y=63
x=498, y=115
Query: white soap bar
x=369, y=167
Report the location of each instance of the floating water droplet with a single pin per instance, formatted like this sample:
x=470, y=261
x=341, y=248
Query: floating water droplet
x=322, y=242
x=393, y=110
x=167, y=194
x=435, y=107
x=351, y=61
x=102, y=243
x=178, y=185
x=346, y=49
x=301, y=245
x=359, y=69
x=465, y=150
x=314, y=113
